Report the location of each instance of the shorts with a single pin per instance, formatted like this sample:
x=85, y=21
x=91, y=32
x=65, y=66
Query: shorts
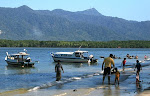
x=117, y=78
x=107, y=71
x=123, y=65
x=138, y=70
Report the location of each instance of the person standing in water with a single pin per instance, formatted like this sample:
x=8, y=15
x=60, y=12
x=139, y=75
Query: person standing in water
x=145, y=57
x=123, y=63
x=58, y=68
x=107, y=69
x=139, y=67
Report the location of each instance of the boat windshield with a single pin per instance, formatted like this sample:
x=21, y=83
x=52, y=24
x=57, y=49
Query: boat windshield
x=18, y=57
x=79, y=54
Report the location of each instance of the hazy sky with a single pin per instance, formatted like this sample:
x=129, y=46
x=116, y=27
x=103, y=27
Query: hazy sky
x=138, y=10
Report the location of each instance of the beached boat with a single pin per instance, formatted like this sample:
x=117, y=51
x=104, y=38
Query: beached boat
x=19, y=59
x=77, y=56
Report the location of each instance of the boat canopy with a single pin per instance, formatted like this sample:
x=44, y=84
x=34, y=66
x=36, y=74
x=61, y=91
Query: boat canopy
x=69, y=53
x=20, y=54
x=81, y=51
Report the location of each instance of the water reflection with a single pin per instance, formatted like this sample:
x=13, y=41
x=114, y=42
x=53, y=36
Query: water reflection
x=77, y=65
x=139, y=87
x=18, y=70
x=117, y=90
x=108, y=92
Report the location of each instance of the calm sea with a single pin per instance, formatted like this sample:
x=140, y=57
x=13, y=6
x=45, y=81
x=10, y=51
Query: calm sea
x=43, y=73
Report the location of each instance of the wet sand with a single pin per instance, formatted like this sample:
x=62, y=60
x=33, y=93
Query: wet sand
x=127, y=86
x=145, y=93
x=14, y=92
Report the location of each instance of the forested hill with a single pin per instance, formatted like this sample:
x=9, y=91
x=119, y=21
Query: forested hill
x=76, y=44
x=24, y=23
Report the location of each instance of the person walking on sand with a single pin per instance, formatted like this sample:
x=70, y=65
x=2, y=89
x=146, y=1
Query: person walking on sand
x=58, y=68
x=107, y=69
x=123, y=63
x=139, y=67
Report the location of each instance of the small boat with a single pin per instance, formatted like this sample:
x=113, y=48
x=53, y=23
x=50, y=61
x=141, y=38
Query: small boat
x=74, y=57
x=19, y=59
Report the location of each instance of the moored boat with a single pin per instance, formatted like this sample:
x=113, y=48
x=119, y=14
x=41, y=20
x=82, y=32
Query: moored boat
x=75, y=57
x=19, y=59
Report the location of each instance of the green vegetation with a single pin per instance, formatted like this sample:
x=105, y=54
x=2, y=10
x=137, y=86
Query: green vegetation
x=76, y=44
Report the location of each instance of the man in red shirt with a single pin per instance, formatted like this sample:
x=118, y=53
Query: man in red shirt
x=123, y=63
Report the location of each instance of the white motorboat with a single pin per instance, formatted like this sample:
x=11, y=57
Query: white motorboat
x=77, y=56
x=19, y=59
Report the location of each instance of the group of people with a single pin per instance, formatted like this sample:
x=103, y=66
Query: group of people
x=107, y=69
x=106, y=66
x=132, y=57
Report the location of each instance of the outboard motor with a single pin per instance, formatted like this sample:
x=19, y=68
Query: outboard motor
x=91, y=56
x=52, y=54
x=28, y=59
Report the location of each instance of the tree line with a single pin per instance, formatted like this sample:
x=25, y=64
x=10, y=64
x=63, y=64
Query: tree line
x=76, y=44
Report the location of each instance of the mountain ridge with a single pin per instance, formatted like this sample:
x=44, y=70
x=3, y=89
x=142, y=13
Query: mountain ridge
x=24, y=23
x=91, y=11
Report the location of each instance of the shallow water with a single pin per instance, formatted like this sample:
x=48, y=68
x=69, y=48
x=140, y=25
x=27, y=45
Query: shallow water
x=43, y=75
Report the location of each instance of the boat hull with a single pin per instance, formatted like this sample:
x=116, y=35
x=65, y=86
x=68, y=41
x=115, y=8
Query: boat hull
x=25, y=64
x=79, y=60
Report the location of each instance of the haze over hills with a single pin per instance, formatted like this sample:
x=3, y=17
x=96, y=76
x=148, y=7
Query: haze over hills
x=23, y=23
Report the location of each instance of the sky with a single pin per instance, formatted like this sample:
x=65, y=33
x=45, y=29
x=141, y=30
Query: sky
x=137, y=10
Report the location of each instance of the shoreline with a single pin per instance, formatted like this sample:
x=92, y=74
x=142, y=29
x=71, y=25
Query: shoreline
x=99, y=89
x=127, y=86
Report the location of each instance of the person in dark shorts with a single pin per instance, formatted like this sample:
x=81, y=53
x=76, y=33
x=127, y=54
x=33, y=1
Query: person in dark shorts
x=58, y=68
x=139, y=67
x=107, y=69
